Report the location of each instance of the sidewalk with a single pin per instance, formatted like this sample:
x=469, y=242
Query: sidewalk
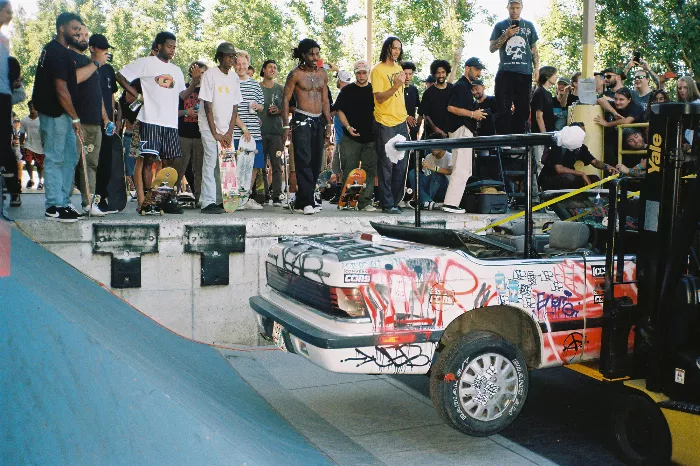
x=366, y=419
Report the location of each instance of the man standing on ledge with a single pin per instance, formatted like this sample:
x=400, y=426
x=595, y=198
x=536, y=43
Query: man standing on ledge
x=515, y=39
x=388, y=80
x=309, y=85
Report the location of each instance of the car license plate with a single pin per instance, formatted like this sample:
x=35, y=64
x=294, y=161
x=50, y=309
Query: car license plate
x=278, y=337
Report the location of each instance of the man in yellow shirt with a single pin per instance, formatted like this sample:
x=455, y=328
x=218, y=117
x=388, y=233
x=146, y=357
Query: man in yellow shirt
x=388, y=79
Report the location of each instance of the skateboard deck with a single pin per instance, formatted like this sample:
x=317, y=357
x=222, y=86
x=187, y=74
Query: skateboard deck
x=162, y=191
x=245, y=157
x=352, y=188
x=186, y=199
x=116, y=186
x=229, y=178
x=284, y=155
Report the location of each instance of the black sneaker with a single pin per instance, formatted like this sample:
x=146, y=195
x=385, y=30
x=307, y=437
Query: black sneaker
x=212, y=209
x=78, y=215
x=60, y=214
x=40, y=185
x=30, y=183
x=172, y=207
x=15, y=200
x=391, y=210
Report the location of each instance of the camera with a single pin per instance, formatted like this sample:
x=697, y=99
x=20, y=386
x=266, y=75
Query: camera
x=637, y=56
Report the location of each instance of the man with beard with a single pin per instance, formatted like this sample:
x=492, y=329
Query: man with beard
x=463, y=117
x=309, y=84
x=388, y=80
x=55, y=84
x=163, y=85
x=489, y=105
x=91, y=111
x=433, y=107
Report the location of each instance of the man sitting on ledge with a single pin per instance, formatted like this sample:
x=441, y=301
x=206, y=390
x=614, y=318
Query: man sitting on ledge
x=558, y=171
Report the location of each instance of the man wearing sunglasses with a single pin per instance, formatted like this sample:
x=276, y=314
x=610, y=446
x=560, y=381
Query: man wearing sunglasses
x=642, y=90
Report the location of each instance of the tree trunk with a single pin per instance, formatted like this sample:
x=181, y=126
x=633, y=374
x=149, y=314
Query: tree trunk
x=456, y=61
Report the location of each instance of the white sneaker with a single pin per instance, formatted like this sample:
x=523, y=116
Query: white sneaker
x=253, y=204
x=403, y=205
x=309, y=210
x=370, y=208
x=94, y=209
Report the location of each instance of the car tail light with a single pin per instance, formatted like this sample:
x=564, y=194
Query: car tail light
x=350, y=301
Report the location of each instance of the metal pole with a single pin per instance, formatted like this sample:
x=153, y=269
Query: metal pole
x=528, y=205
x=369, y=30
x=588, y=39
x=417, y=168
x=479, y=142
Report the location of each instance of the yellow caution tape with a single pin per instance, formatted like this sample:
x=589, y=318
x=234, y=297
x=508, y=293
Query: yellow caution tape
x=548, y=203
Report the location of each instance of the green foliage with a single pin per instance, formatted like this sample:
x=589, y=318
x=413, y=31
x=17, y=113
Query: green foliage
x=665, y=31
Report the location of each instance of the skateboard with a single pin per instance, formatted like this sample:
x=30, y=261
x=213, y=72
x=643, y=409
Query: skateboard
x=229, y=178
x=85, y=177
x=117, y=197
x=162, y=191
x=285, y=167
x=186, y=199
x=245, y=157
x=352, y=188
x=322, y=183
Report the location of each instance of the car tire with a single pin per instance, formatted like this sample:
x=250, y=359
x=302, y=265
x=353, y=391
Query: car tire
x=479, y=383
x=640, y=431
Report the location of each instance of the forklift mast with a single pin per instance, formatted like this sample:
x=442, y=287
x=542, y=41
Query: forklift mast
x=667, y=336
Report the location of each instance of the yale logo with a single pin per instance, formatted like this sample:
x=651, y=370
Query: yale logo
x=655, y=153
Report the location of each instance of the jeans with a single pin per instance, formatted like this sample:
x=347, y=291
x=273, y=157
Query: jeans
x=308, y=136
x=512, y=89
x=129, y=162
x=272, y=144
x=211, y=176
x=61, y=158
x=432, y=187
x=462, y=167
x=351, y=153
x=392, y=177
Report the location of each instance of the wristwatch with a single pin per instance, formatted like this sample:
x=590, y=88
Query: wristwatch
x=96, y=63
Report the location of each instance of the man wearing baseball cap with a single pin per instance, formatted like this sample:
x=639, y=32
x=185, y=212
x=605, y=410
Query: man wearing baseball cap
x=462, y=119
x=355, y=107
x=516, y=41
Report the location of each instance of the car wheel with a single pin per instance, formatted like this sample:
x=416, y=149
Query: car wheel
x=640, y=431
x=479, y=383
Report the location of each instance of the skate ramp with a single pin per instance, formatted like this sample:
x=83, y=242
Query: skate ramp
x=87, y=379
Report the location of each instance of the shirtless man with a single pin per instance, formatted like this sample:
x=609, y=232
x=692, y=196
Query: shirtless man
x=309, y=85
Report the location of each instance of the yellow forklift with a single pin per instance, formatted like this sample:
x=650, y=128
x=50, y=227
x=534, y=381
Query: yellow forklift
x=657, y=415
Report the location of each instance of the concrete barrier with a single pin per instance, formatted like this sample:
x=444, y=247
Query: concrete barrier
x=171, y=291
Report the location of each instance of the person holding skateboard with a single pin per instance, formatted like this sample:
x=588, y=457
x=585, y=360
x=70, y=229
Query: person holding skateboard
x=163, y=84
x=309, y=84
x=220, y=94
x=355, y=106
x=388, y=80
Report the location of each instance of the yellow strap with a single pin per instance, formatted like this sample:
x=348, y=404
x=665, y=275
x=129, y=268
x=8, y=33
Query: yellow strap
x=548, y=203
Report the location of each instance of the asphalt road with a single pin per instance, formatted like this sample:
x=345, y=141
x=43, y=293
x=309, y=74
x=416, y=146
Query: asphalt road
x=565, y=418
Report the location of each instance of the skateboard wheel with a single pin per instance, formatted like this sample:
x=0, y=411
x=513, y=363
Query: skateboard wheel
x=162, y=212
x=142, y=212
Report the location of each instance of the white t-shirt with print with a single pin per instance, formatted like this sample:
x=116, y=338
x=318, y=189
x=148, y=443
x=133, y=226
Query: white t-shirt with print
x=223, y=91
x=32, y=135
x=161, y=84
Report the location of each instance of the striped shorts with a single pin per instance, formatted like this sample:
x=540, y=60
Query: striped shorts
x=159, y=141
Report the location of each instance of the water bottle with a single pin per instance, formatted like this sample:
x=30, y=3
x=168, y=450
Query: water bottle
x=109, y=130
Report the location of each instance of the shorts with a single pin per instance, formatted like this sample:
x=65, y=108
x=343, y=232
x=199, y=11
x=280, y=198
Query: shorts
x=158, y=141
x=259, y=157
x=28, y=156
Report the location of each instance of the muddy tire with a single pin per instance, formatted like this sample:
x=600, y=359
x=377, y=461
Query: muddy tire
x=479, y=383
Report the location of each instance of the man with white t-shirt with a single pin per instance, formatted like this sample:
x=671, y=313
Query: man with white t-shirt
x=220, y=94
x=32, y=146
x=163, y=84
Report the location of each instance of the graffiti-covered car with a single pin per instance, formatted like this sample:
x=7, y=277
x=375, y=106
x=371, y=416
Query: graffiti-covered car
x=467, y=309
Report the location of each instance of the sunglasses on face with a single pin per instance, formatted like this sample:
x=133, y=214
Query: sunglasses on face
x=640, y=77
x=609, y=76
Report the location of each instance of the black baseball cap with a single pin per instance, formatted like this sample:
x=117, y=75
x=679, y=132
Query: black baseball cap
x=614, y=70
x=477, y=82
x=475, y=62
x=99, y=42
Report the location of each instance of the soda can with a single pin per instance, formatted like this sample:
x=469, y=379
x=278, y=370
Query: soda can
x=109, y=130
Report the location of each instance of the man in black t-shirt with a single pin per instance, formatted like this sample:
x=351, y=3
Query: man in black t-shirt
x=90, y=107
x=190, y=137
x=433, y=107
x=489, y=106
x=55, y=84
x=355, y=107
x=542, y=108
x=461, y=111
x=559, y=172
x=412, y=99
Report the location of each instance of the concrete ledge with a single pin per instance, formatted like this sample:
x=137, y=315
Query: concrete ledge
x=170, y=290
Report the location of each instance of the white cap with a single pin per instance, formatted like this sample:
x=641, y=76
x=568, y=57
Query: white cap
x=344, y=76
x=361, y=65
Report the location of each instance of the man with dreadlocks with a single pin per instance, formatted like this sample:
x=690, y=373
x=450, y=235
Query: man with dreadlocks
x=309, y=85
